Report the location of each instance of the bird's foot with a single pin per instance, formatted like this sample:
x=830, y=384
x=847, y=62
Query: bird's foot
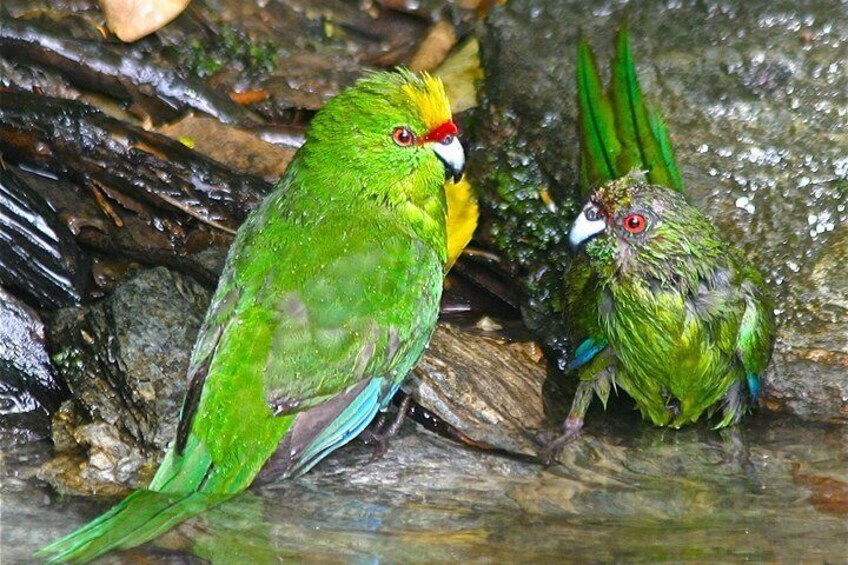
x=381, y=434
x=551, y=447
x=738, y=453
x=379, y=443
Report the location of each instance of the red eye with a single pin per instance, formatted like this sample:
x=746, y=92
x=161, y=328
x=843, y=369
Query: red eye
x=403, y=137
x=635, y=223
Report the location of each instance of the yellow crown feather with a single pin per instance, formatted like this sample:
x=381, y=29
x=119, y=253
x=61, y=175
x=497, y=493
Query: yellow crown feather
x=431, y=100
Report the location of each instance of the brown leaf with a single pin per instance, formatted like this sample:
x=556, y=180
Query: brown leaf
x=437, y=44
x=133, y=19
x=238, y=148
x=462, y=72
x=248, y=97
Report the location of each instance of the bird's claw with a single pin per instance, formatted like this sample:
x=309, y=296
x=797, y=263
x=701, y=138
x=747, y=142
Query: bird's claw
x=381, y=434
x=380, y=443
x=552, y=447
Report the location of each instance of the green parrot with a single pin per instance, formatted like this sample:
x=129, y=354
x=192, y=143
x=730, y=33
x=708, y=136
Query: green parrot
x=658, y=304
x=329, y=296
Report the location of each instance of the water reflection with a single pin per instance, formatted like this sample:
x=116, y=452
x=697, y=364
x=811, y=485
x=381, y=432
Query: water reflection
x=778, y=491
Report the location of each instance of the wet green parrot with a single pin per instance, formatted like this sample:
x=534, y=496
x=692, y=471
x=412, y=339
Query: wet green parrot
x=329, y=296
x=660, y=307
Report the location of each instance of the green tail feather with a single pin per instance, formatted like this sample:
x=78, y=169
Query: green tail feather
x=146, y=514
x=666, y=150
x=141, y=516
x=619, y=133
x=631, y=116
x=599, y=141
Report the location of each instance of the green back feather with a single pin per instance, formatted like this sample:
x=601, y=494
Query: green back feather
x=619, y=133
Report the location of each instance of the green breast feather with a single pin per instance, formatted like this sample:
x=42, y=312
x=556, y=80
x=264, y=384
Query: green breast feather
x=658, y=305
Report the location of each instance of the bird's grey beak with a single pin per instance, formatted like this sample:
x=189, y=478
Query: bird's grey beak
x=450, y=152
x=587, y=225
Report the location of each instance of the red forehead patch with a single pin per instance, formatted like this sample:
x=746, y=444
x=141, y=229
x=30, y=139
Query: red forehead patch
x=440, y=132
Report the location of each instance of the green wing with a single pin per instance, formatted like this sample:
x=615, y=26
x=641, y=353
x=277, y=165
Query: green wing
x=310, y=306
x=757, y=329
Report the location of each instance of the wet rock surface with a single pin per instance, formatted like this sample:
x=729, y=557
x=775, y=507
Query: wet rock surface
x=488, y=389
x=818, y=350
x=124, y=360
x=30, y=389
x=754, y=96
x=38, y=254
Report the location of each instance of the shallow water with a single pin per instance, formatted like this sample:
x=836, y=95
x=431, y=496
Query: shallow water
x=775, y=491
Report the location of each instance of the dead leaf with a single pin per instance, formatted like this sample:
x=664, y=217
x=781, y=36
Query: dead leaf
x=461, y=72
x=238, y=148
x=438, y=42
x=133, y=19
x=248, y=97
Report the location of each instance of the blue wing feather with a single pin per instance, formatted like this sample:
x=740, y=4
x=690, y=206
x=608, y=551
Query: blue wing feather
x=348, y=424
x=586, y=352
x=754, y=386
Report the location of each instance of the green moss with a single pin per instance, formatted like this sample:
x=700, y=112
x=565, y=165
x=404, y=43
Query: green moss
x=230, y=47
x=524, y=223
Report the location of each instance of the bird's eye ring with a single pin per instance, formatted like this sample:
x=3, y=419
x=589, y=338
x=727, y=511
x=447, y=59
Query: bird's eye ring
x=403, y=136
x=634, y=223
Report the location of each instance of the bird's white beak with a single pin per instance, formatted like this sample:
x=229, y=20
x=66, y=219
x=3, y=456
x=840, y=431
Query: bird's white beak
x=451, y=153
x=589, y=223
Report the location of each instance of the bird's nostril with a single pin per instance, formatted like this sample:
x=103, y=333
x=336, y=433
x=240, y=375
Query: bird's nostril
x=448, y=140
x=592, y=214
